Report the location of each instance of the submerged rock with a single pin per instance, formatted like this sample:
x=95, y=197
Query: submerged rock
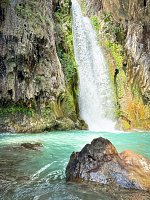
x=100, y=162
x=30, y=146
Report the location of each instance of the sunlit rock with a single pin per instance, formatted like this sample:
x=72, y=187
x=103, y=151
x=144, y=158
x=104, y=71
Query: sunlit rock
x=100, y=162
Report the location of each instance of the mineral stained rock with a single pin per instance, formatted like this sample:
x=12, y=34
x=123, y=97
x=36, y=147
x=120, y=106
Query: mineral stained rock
x=100, y=162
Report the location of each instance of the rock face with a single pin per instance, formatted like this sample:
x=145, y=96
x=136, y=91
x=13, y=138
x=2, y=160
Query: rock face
x=128, y=20
x=134, y=16
x=33, y=92
x=100, y=162
x=28, y=55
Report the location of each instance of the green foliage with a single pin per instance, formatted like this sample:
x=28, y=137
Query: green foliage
x=136, y=92
x=117, y=113
x=69, y=65
x=14, y=109
x=112, y=39
x=39, y=78
x=46, y=113
x=65, y=45
x=106, y=17
x=114, y=31
x=117, y=52
x=95, y=22
x=24, y=10
x=126, y=126
x=69, y=103
x=5, y=2
x=83, y=6
x=66, y=57
x=30, y=11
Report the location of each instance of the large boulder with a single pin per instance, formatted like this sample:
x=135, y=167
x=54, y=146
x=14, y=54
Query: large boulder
x=100, y=162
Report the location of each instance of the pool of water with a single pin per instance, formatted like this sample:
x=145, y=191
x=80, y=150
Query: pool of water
x=40, y=175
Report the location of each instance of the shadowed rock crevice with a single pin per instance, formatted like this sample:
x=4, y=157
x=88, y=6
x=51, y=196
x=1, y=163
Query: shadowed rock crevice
x=145, y=3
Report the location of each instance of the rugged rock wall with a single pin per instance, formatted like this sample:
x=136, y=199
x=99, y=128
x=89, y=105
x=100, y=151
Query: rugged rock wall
x=128, y=20
x=135, y=16
x=33, y=91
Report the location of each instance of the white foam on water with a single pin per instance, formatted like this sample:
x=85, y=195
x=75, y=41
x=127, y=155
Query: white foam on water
x=36, y=175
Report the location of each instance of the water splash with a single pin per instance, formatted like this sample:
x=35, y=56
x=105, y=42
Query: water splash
x=95, y=95
x=36, y=175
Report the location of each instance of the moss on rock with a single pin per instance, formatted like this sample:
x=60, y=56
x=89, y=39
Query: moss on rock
x=128, y=98
x=39, y=82
x=64, y=44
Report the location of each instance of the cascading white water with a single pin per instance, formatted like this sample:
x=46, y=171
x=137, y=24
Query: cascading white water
x=95, y=95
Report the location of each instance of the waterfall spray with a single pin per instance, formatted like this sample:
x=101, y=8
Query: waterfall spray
x=95, y=94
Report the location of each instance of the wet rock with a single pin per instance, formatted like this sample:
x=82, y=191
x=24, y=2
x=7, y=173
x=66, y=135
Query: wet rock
x=63, y=124
x=100, y=162
x=33, y=92
x=133, y=81
x=134, y=17
x=32, y=146
x=123, y=123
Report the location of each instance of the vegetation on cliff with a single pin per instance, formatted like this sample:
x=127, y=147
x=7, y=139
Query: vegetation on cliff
x=38, y=74
x=64, y=44
x=132, y=110
x=38, y=89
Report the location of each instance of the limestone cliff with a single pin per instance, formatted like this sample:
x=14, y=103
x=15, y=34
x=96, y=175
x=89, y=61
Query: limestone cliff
x=34, y=95
x=124, y=31
x=135, y=16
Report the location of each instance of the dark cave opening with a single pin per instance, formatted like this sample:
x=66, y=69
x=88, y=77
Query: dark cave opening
x=10, y=92
x=145, y=3
x=115, y=75
x=20, y=76
x=2, y=14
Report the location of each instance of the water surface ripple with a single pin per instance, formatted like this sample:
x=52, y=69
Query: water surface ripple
x=40, y=175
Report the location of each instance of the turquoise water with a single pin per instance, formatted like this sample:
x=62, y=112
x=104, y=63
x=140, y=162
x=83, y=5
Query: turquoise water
x=40, y=175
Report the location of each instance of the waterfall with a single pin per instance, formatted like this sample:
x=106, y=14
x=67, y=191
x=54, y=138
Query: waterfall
x=95, y=94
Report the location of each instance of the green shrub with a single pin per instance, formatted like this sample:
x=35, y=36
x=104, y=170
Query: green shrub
x=113, y=30
x=24, y=10
x=14, y=109
x=5, y=2
x=65, y=45
x=95, y=22
x=83, y=6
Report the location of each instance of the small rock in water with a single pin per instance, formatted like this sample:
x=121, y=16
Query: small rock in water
x=32, y=146
x=100, y=162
